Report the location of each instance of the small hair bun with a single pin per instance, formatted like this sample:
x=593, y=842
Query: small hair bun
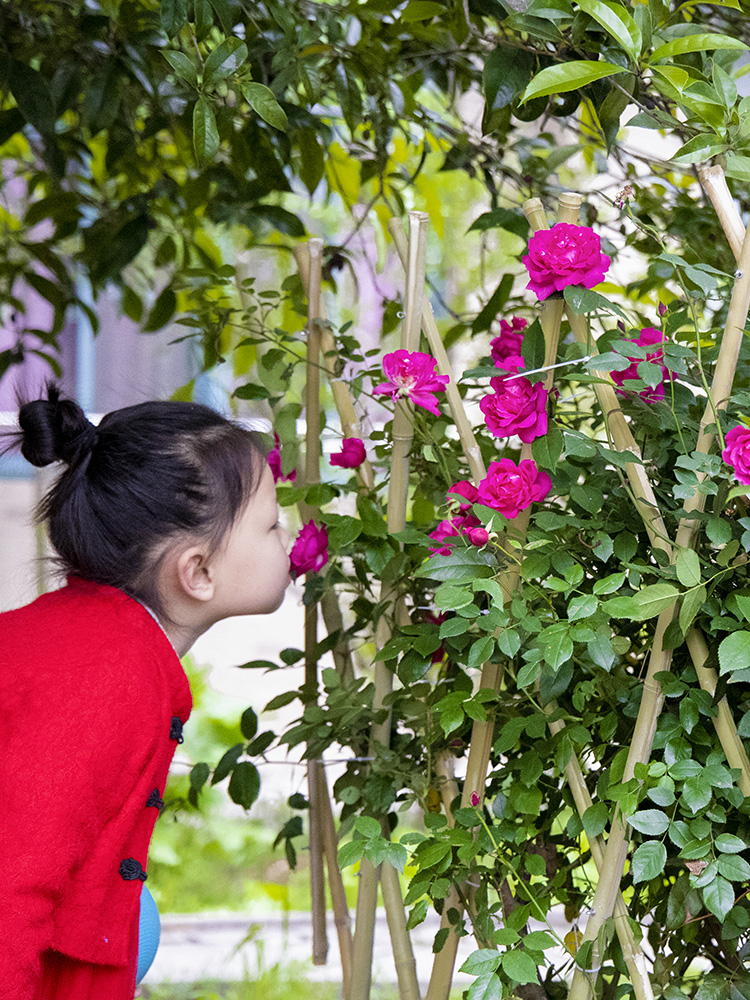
x=55, y=430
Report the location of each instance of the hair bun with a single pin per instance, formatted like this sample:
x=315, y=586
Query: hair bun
x=55, y=430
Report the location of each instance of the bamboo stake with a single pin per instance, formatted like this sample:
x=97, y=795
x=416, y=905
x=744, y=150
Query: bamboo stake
x=342, y=920
x=342, y=396
x=466, y=435
x=660, y=659
x=398, y=492
x=334, y=621
x=311, y=476
x=714, y=183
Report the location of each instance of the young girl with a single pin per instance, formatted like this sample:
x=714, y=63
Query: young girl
x=165, y=521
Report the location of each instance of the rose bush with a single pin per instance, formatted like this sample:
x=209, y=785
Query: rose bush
x=648, y=337
x=352, y=454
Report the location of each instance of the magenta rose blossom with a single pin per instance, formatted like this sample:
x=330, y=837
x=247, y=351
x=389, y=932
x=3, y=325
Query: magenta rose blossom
x=463, y=524
x=412, y=374
x=510, y=339
x=274, y=460
x=352, y=454
x=737, y=453
x=467, y=491
x=519, y=407
x=510, y=488
x=648, y=336
x=310, y=550
x=564, y=255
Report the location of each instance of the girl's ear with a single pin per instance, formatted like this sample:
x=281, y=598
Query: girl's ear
x=195, y=574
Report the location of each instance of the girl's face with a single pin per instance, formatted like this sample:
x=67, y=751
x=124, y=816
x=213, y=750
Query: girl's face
x=251, y=568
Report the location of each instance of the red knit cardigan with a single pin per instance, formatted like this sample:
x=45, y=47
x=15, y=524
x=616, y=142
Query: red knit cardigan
x=92, y=702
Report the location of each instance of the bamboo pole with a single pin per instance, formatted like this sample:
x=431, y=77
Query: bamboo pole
x=342, y=396
x=714, y=183
x=466, y=435
x=342, y=920
x=311, y=476
x=660, y=659
x=398, y=492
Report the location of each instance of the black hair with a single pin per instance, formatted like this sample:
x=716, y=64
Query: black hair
x=147, y=474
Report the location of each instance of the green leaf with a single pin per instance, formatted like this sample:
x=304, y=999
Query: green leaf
x=225, y=60
x=173, y=16
x=650, y=821
x=582, y=606
x=351, y=852
x=688, y=567
x=244, y=785
x=734, y=868
x=546, y=450
x=481, y=963
x=463, y=564
x=488, y=987
x=586, y=300
x=696, y=793
x=533, y=347
x=161, y=312
x=248, y=723
x=480, y=651
x=261, y=99
x=609, y=584
x=500, y=218
x=727, y=843
x=649, y=861
x=700, y=148
x=227, y=762
x=718, y=897
x=617, y=22
x=651, y=601
x=567, y=76
x=556, y=645
x=507, y=72
x=496, y=302
x=224, y=14
x=509, y=642
x=205, y=133
x=519, y=966
x=694, y=43
x=182, y=66
x=734, y=652
x=421, y=10
x=595, y=819
x=692, y=602
x=33, y=96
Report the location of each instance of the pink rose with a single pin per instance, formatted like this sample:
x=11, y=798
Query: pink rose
x=310, y=550
x=519, y=407
x=464, y=489
x=511, y=365
x=510, y=339
x=441, y=534
x=352, y=454
x=510, y=488
x=274, y=460
x=564, y=255
x=647, y=337
x=412, y=374
x=466, y=524
x=737, y=453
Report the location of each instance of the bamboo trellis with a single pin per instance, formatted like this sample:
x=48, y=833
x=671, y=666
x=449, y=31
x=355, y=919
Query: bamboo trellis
x=609, y=859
